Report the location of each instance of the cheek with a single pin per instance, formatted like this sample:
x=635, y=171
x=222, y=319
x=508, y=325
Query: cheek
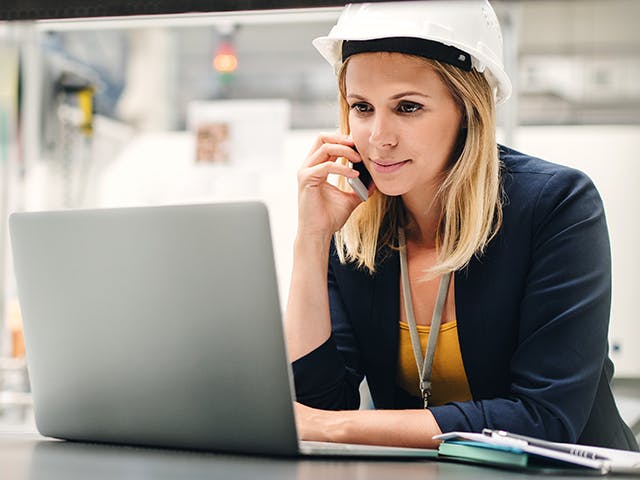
x=453, y=123
x=358, y=129
x=444, y=132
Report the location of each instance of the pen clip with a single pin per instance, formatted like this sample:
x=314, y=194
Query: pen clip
x=496, y=433
x=503, y=438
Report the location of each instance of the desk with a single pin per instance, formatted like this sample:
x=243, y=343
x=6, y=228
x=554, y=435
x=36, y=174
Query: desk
x=33, y=457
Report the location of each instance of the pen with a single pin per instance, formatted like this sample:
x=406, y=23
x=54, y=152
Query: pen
x=536, y=442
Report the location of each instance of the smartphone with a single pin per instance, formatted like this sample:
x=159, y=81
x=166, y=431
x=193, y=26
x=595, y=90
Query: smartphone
x=362, y=183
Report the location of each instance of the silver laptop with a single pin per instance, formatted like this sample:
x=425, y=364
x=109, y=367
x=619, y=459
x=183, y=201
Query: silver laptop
x=159, y=326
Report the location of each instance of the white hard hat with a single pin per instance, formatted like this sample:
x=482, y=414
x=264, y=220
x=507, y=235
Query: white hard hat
x=458, y=27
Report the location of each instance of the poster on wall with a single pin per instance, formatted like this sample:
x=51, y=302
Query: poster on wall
x=248, y=132
x=212, y=142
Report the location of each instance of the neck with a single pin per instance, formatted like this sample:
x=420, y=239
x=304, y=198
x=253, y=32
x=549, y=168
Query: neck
x=424, y=215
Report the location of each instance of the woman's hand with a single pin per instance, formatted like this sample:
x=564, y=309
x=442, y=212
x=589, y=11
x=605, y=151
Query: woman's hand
x=323, y=208
x=314, y=424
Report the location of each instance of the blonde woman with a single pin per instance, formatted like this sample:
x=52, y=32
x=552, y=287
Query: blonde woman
x=472, y=286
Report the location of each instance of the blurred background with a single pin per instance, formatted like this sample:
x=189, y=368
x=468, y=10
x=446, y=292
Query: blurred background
x=217, y=107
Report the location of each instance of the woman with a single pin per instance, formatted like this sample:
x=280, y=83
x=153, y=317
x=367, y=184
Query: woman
x=498, y=259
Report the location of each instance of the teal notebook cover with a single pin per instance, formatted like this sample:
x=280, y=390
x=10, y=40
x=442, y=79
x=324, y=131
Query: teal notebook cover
x=483, y=453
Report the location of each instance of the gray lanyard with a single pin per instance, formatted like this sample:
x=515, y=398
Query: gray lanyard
x=424, y=364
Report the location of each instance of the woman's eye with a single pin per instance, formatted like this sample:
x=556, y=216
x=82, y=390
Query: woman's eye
x=409, y=107
x=361, y=107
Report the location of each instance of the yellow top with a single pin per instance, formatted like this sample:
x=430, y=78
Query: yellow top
x=448, y=378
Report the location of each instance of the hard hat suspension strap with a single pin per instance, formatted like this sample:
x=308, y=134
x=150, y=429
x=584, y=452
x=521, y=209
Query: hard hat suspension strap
x=411, y=46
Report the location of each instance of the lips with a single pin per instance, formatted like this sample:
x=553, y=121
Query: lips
x=383, y=166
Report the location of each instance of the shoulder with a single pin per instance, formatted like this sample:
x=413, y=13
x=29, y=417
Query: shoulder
x=543, y=201
x=533, y=183
x=533, y=173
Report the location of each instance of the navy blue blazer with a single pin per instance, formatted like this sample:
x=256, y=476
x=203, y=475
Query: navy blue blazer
x=532, y=313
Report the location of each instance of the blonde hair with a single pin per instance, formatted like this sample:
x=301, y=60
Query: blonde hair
x=469, y=195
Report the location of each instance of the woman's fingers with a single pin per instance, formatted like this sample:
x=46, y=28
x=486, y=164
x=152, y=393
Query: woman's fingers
x=317, y=174
x=323, y=207
x=330, y=147
x=330, y=138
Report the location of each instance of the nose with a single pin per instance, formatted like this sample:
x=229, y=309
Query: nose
x=382, y=134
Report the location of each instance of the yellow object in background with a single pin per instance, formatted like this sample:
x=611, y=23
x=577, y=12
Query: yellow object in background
x=14, y=322
x=85, y=102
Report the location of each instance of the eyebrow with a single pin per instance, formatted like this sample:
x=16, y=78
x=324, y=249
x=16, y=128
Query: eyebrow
x=394, y=97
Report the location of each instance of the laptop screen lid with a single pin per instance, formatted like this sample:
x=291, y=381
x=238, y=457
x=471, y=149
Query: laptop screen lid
x=156, y=326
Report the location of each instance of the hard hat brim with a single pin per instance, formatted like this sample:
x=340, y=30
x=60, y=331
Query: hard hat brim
x=331, y=50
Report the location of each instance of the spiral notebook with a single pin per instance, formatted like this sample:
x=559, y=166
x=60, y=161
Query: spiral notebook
x=504, y=449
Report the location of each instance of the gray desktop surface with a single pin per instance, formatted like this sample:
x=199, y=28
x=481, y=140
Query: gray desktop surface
x=32, y=457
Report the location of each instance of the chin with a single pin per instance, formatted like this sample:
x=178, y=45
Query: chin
x=391, y=191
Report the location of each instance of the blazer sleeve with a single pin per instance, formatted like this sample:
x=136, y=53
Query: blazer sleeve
x=561, y=346
x=329, y=377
